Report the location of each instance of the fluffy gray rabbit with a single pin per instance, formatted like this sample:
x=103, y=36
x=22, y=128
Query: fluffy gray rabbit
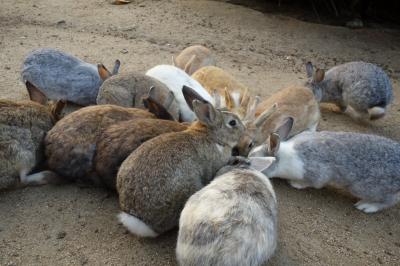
x=23, y=126
x=232, y=221
x=155, y=181
x=128, y=90
x=365, y=165
x=56, y=75
x=362, y=89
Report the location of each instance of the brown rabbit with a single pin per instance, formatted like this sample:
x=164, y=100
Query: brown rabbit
x=118, y=141
x=23, y=126
x=193, y=58
x=215, y=78
x=155, y=181
x=128, y=89
x=297, y=102
x=71, y=143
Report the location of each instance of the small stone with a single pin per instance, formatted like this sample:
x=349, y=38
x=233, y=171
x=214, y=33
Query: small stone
x=355, y=24
x=61, y=235
x=8, y=68
x=380, y=261
x=61, y=22
x=124, y=51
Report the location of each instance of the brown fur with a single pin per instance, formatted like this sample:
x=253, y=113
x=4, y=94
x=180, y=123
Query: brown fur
x=71, y=144
x=193, y=58
x=121, y=139
x=297, y=102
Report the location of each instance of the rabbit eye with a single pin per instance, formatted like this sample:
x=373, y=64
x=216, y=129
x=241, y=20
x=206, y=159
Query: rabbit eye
x=251, y=145
x=232, y=123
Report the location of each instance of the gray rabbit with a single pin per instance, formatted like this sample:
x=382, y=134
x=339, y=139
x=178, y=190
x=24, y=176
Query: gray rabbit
x=232, y=221
x=368, y=166
x=53, y=74
x=156, y=179
x=362, y=89
x=128, y=90
x=23, y=126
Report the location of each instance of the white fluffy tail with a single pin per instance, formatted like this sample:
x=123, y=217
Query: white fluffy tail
x=41, y=178
x=376, y=112
x=136, y=226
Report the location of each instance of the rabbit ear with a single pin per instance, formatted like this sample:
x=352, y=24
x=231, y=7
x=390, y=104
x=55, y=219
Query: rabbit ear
x=245, y=99
x=309, y=69
x=274, y=142
x=319, y=75
x=284, y=129
x=169, y=99
x=217, y=99
x=117, y=64
x=56, y=109
x=205, y=112
x=103, y=72
x=265, y=115
x=191, y=95
x=229, y=101
x=261, y=163
x=251, y=109
x=157, y=109
x=188, y=66
x=35, y=94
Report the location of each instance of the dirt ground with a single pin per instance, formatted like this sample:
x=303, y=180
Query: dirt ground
x=70, y=225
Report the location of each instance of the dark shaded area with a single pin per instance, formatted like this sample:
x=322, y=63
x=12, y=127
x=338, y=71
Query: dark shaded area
x=372, y=13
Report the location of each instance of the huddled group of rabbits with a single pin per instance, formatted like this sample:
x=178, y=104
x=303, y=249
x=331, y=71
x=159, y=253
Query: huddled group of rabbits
x=187, y=144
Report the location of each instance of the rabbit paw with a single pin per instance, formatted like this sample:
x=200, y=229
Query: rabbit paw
x=368, y=207
x=298, y=184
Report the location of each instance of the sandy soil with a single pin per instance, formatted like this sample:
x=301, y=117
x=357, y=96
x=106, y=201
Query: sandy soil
x=69, y=225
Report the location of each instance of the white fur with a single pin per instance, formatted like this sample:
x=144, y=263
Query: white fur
x=369, y=207
x=220, y=148
x=136, y=226
x=376, y=111
x=34, y=179
x=289, y=163
x=174, y=78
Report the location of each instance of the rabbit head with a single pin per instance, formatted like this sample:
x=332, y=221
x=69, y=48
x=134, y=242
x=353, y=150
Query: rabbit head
x=314, y=80
x=193, y=58
x=225, y=127
x=162, y=104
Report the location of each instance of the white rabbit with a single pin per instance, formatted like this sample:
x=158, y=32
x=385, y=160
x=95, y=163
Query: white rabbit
x=174, y=78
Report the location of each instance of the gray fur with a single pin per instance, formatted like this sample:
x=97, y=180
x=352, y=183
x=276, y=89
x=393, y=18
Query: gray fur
x=61, y=76
x=232, y=221
x=23, y=126
x=128, y=90
x=156, y=180
x=368, y=166
x=357, y=84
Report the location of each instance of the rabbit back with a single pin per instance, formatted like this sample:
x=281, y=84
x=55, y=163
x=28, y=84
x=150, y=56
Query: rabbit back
x=71, y=143
x=118, y=141
x=367, y=165
x=62, y=76
x=231, y=221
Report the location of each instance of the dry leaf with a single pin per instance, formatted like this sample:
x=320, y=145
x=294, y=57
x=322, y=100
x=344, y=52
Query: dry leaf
x=121, y=2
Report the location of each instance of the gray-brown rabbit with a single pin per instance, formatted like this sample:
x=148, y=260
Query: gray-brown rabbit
x=23, y=126
x=128, y=89
x=155, y=181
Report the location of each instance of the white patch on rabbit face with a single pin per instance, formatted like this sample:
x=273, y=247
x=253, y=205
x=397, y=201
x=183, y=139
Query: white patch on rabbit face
x=289, y=164
x=220, y=148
